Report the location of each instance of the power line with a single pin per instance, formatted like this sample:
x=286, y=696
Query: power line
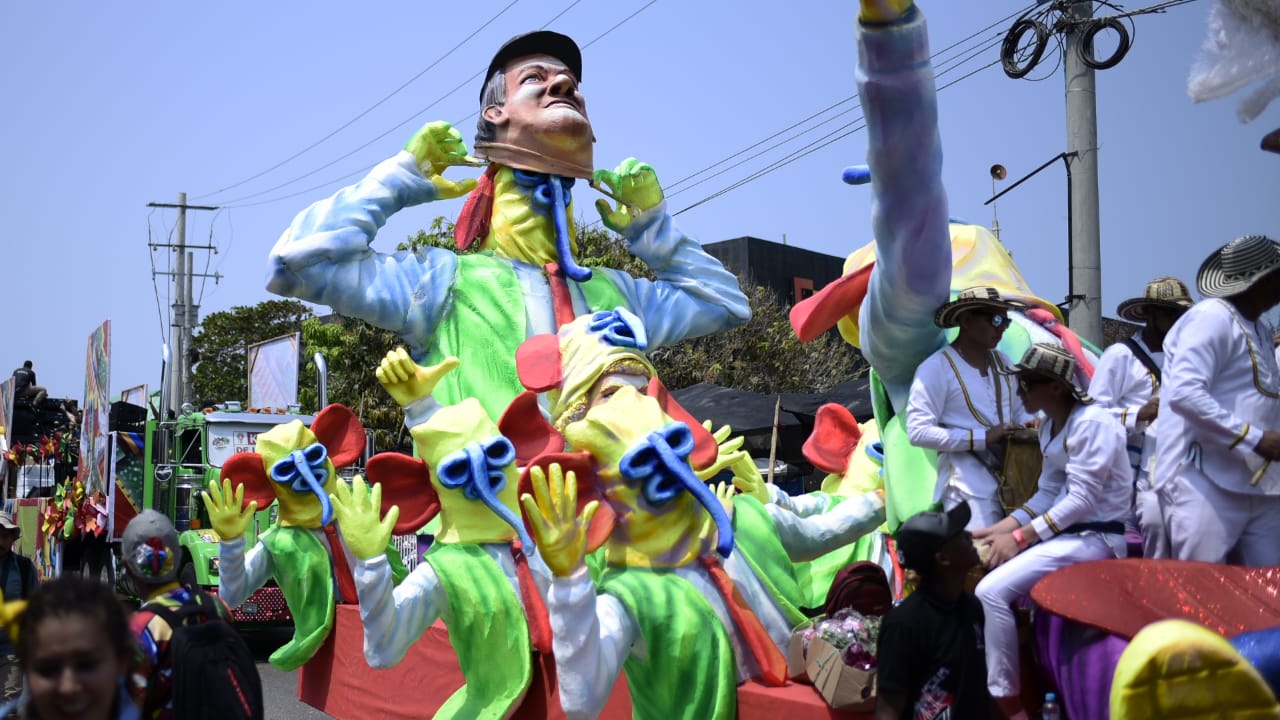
x=160, y=316
x=811, y=148
x=826, y=109
x=239, y=202
x=955, y=61
x=939, y=73
x=372, y=107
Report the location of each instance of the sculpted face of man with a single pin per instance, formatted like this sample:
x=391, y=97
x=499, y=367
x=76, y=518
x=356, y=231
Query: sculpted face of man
x=544, y=112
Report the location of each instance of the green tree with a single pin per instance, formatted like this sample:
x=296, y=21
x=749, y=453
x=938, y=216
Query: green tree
x=761, y=356
x=220, y=345
x=352, y=350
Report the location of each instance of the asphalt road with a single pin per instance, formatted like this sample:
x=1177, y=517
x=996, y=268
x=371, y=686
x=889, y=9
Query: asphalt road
x=279, y=689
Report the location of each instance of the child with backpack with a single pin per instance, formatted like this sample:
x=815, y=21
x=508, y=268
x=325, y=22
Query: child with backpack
x=194, y=664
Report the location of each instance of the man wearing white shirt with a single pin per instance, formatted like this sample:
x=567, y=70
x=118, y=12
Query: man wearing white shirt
x=1218, y=485
x=1076, y=515
x=961, y=405
x=1126, y=381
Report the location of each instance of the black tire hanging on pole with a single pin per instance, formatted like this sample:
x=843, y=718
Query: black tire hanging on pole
x=1013, y=40
x=1086, y=43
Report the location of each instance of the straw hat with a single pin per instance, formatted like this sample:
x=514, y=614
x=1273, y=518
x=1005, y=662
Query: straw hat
x=981, y=296
x=1054, y=361
x=7, y=523
x=1165, y=292
x=1236, y=266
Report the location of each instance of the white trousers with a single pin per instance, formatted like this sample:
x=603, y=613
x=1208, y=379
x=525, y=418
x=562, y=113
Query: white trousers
x=984, y=512
x=1014, y=579
x=1155, y=538
x=1210, y=524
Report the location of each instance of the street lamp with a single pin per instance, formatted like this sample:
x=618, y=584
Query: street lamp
x=1065, y=157
x=997, y=173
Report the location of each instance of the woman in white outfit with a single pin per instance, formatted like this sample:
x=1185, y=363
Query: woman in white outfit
x=1077, y=514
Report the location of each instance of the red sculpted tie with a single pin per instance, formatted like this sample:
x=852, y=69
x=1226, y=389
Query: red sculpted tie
x=341, y=570
x=773, y=666
x=561, y=301
x=534, y=609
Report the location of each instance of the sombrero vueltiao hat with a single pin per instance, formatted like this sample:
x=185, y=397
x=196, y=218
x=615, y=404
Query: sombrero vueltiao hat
x=1236, y=266
x=1165, y=292
x=982, y=296
x=1053, y=361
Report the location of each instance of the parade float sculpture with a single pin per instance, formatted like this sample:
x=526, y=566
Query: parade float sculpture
x=536, y=138
x=693, y=580
x=481, y=575
x=885, y=302
x=297, y=467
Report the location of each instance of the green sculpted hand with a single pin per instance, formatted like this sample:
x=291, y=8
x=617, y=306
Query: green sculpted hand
x=561, y=533
x=634, y=185
x=731, y=456
x=436, y=146
x=356, y=509
x=405, y=380
x=227, y=513
x=747, y=478
x=728, y=445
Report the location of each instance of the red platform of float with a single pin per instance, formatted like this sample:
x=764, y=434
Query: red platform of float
x=339, y=682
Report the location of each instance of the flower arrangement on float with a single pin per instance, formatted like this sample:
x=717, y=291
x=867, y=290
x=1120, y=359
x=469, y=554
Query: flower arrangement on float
x=838, y=655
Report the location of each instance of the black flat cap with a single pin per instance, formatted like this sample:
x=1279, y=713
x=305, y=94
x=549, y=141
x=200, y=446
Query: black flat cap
x=538, y=42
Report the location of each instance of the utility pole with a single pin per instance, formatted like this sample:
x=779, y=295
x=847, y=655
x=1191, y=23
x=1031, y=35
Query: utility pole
x=1075, y=20
x=185, y=312
x=1085, y=299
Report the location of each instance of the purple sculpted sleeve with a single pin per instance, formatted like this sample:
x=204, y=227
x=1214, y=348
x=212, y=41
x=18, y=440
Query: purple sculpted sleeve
x=912, y=276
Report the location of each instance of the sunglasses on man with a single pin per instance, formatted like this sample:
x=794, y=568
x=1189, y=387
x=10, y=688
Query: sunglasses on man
x=997, y=321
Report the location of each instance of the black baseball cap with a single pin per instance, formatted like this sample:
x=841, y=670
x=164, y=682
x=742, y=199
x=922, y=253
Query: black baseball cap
x=923, y=535
x=538, y=42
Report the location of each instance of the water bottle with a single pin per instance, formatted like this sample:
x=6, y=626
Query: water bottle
x=1051, y=709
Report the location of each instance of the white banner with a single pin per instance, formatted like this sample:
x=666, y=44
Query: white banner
x=135, y=396
x=273, y=372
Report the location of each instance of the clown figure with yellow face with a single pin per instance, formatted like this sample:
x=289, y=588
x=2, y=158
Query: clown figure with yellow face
x=481, y=575
x=696, y=581
x=295, y=466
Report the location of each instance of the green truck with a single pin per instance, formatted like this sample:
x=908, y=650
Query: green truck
x=168, y=465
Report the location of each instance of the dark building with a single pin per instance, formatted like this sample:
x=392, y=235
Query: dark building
x=792, y=273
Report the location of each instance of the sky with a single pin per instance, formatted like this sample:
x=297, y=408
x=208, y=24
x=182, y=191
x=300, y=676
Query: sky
x=264, y=108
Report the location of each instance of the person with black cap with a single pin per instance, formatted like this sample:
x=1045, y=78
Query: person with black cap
x=536, y=139
x=1126, y=381
x=1216, y=475
x=1076, y=515
x=930, y=650
x=962, y=406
